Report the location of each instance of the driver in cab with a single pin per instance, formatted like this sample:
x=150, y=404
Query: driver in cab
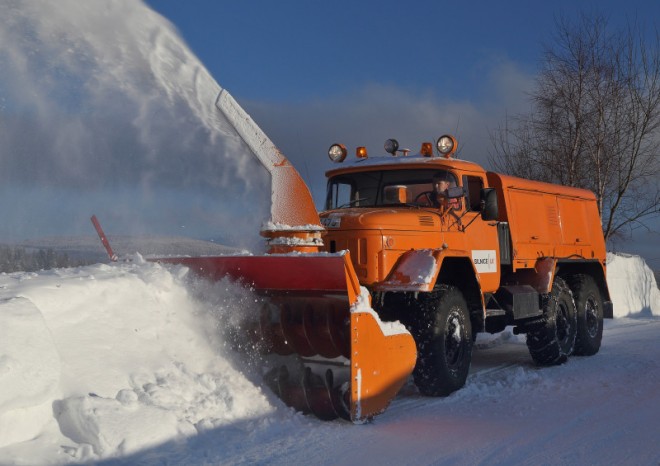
x=440, y=196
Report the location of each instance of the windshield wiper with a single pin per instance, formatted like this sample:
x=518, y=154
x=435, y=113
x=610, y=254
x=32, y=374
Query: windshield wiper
x=401, y=204
x=354, y=201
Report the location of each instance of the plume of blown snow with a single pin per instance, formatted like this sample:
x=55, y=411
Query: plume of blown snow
x=105, y=109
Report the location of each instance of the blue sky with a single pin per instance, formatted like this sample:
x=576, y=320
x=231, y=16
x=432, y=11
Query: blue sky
x=298, y=50
x=315, y=72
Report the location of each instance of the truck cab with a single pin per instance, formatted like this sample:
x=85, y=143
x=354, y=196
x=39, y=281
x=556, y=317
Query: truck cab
x=389, y=213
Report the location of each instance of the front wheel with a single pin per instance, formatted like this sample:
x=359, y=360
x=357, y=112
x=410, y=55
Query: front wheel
x=443, y=334
x=553, y=341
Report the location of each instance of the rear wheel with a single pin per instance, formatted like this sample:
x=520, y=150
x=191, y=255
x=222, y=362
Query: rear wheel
x=553, y=341
x=589, y=305
x=443, y=334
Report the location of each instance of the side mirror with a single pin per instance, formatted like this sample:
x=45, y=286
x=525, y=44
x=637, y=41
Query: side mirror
x=489, y=210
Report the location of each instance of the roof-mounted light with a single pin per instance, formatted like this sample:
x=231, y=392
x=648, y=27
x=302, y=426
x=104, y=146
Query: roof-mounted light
x=427, y=149
x=391, y=146
x=337, y=153
x=361, y=152
x=446, y=145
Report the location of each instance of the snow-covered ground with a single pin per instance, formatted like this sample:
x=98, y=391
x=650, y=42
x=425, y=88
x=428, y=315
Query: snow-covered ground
x=126, y=364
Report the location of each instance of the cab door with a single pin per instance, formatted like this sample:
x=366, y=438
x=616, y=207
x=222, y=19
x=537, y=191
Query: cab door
x=480, y=237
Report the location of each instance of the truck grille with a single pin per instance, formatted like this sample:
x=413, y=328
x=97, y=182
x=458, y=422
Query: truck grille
x=426, y=221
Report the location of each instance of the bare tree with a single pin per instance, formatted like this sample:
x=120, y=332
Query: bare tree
x=595, y=122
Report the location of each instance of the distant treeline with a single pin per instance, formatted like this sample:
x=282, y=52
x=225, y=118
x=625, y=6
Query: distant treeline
x=19, y=259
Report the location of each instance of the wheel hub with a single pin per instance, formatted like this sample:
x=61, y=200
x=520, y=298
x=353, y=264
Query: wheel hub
x=454, y=339
x=563, y=324
x=591, y=315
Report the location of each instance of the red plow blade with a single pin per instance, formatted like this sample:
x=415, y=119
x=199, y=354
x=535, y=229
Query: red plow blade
x=339, y=363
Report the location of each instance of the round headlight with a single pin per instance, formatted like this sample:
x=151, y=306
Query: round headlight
x=391, y=146
x=446, y=145
x=337, y=153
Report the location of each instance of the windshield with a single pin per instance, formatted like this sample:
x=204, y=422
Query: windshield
x=384, y=187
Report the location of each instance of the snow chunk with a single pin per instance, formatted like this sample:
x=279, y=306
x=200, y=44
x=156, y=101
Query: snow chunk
x=363, y=304
x=276, y=226
x=202, y=399
x=415, y=269
x=113, y=427
x=419, y=267
x=286, y=241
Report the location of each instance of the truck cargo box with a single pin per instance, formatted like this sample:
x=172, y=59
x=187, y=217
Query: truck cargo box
x=548, y=220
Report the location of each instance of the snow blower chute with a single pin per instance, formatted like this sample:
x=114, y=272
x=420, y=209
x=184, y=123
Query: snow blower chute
x=337, y=360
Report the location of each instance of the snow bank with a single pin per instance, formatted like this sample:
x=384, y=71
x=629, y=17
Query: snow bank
x=29, y=370
x=113, y=359
x=632, y=285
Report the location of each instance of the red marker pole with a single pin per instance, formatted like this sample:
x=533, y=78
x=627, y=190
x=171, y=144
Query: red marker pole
x=104, y=240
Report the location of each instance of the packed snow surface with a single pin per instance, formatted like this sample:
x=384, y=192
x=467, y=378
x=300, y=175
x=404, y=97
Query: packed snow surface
x=129, y=363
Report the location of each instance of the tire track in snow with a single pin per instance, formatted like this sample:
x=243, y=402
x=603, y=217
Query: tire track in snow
x=487, y=371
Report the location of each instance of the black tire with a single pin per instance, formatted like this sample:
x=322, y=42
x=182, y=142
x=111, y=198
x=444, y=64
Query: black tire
x=589, y=305
x=443, y=333
x=554, y=340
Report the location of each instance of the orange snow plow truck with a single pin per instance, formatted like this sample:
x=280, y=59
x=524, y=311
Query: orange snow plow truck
x=413, y=256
